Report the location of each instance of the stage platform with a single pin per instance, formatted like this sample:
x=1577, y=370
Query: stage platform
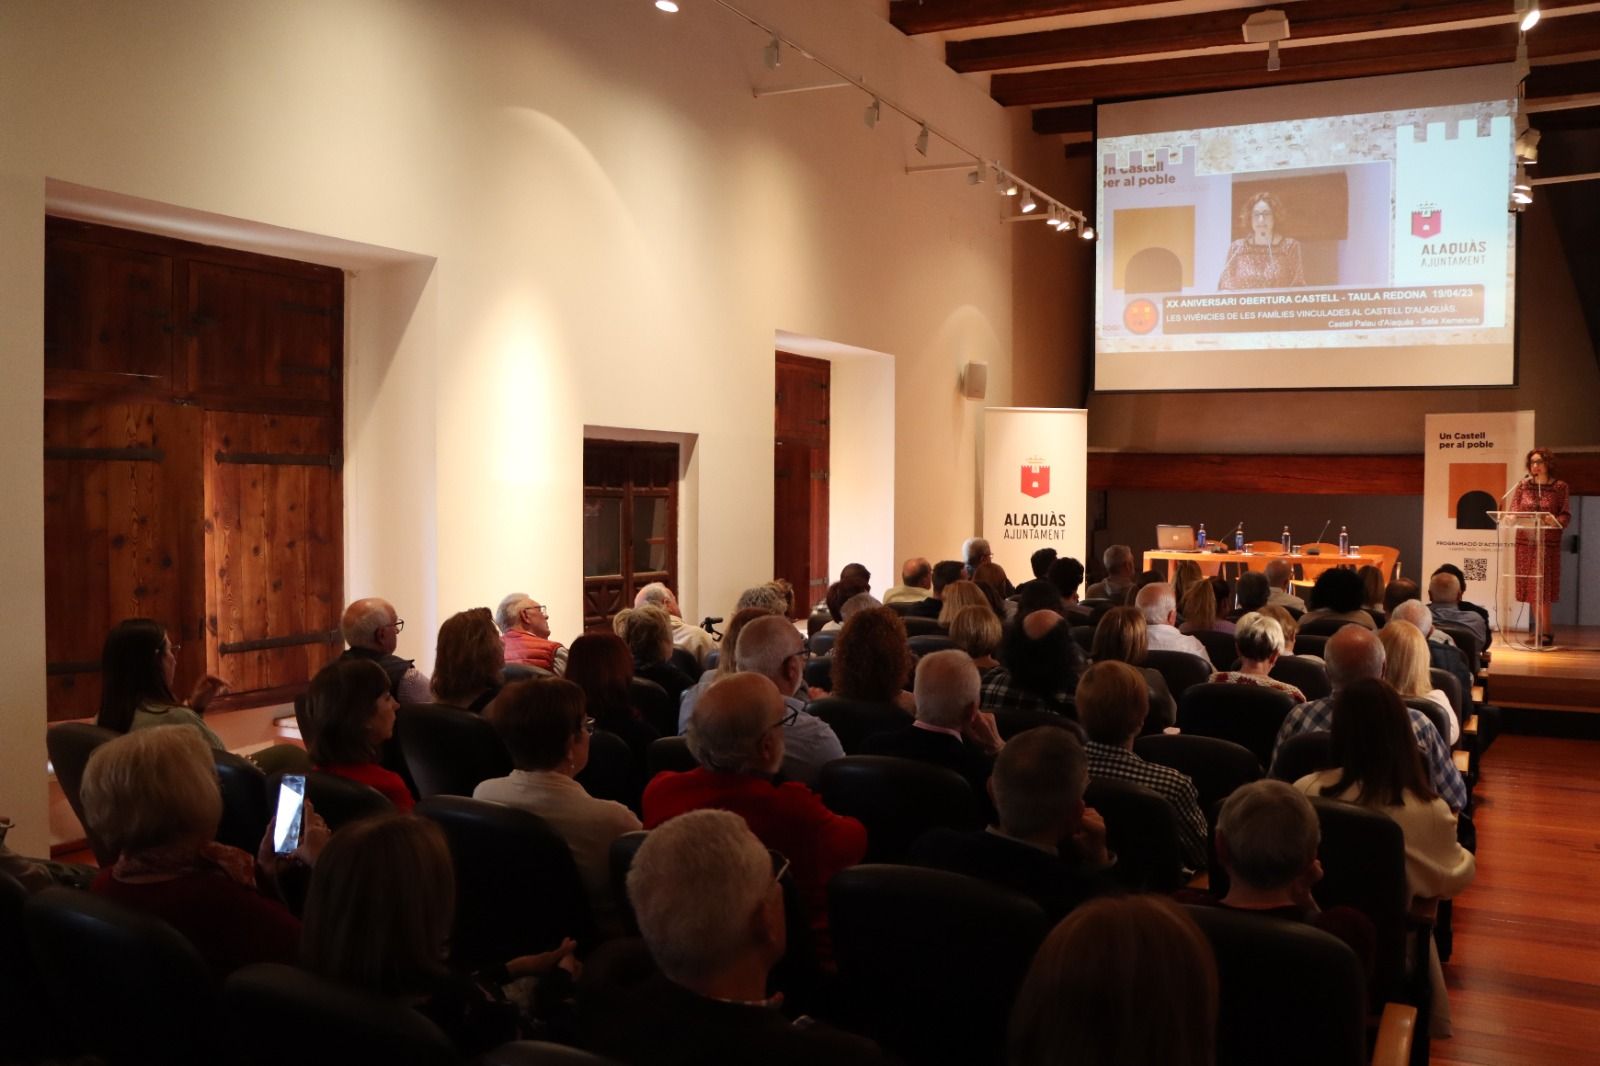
x=1565, y=678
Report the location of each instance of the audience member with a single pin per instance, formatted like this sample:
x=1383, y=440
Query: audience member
x=916, y=583
x=945, y=573
x=1279, y=573
x=378, y=919
x=1046, y=844
x=1254, y=592
x=1444, y=600
x=949, y=730
x=1205, y=607
x=1339, y=594
x=856, y=574
x=647, y=631
x=991, y=577
x=727, y=662
x=1291, y=629
x=1112, y=703
x=692, y=639
x=1355, y=654
x=599, y=664
x=1067, y=576
x=372, y=630
x=872, y=659
x=1160, y=609
x=546, y=729
x=524, y=625
x=771, y=647
x=775, y=596
x=711, y=913
x=974, y=552
x=839, y=593
x=469, y=663
x=1399, y=591
x=1260, y=641
x=1041, y=561
x=1372, y=589
x=976, y=631
x=352, y=714
x=1127, y=981
x=737, y=738
x=137, y=666
x=1482, y=612
x=959, y=594
x=1039, y=667
x=1123, y=636
x=152, y=798
x=1406, y=666
x=1442, y=651
x=1185, y=576
x=1118, y=583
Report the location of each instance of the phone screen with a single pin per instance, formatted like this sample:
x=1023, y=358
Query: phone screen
x=291, y=806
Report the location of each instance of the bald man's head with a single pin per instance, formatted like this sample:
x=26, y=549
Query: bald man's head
x=736, y=725
x=1039, y=623
x=1353, y=654
x=370, y=623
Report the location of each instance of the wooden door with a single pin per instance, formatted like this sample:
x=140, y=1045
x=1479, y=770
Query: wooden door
x=630, y=524
x=800, y=477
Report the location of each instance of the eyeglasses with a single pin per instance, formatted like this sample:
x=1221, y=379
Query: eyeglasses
x=398, y=624
x=790, y=718
x=534, y=607
x=783, y=871
x=588, y=726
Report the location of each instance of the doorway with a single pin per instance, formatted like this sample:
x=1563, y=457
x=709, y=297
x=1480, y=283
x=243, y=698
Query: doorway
x=630, y=524
x=800, y=477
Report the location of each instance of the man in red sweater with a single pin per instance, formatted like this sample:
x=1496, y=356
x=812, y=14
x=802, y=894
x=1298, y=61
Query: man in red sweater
x=736, y=734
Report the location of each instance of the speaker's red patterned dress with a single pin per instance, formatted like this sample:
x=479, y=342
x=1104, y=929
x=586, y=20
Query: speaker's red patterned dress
x=1553, y=499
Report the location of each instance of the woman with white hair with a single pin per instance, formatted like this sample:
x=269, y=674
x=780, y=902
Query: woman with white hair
x=1260, y=641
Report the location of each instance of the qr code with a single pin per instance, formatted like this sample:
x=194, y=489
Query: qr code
x=1475, y=569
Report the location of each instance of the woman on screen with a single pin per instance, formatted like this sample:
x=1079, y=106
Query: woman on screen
x=1539, y=491
x=1265, y=259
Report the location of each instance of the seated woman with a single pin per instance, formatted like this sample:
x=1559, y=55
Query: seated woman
x=1260, y=641
x=137, y=666
x=1186, y=575
x=1204, y=607
x=1119, y=981
x=1122, y=637
x=152, y=797
x=469, y=661
x=648, y=633
x=1406, y=666
x=1290, y=626
x=544, y=726
x=1338, y=594
x=351, y=715
x=959, y=594
x=976, y=631
x=599, y=664
x=991, y=579
x=872, y=659
x=362, y=932
x=1372, y=591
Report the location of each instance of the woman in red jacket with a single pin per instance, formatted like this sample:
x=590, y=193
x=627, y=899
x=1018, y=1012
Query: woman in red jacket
x=351, y=714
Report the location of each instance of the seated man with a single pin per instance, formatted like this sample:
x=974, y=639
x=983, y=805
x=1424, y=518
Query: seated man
x=1041, y=561
x=975, y=551
x=1466, y=605
x=1067, y=576
x=711, y=914
x=692, y=639
x=1113, y=700
x=1252, y=594
x=1040, y=665
x=1444, y=600
x=949, y=730
x=1354, y=654
x=944, y=572
x=372, y=629
x=1159, y=605
x=1047, y=845
x=737, y=737
x=1278, y=574
x=1118, y=585
x=525, y=631
x=916, y=583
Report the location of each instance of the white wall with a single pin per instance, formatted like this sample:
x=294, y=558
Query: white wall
x=616, y=228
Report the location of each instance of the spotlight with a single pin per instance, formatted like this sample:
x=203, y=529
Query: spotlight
x=1087, y=232
x=922, y=140
x=773, y=56
x=669, y=6
x=1068, y=223
x=1005, y=184
x=1527, y=146
x=1028, y=203
x=873, y=113
x=975, y=176
x=1054, y=220
x=1527, y=12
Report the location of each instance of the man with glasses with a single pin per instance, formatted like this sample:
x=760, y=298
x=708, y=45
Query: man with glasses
x=372, y=629
x=525, y=630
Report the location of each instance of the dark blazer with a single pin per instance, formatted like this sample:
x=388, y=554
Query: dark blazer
x=928, y=607
x=1056, y=883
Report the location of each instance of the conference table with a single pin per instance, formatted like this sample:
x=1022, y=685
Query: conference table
x=1211, y=562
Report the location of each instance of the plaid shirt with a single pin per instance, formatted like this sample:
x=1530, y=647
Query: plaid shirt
x=1442, y=772
x=1000, y=692
x=1120, y=764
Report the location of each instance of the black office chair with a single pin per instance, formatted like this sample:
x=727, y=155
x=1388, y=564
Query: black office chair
x=1142, y=830
x=1302, y=754
x=669, y=753
x=822, y=643
x=928, y=643
x=654, y=704
x=897, y=800
x=31, y=1030
x=286, y=1016
x=819, y=674
x=1083, y=634
x=1310, y=644
x=918, y=626
x=69, y=746
x=930, y=961
x=853, y=721
x=134, y=989
x=712, y=659
x=1310, y=677
x=518, y=891
x=1013, y=720
x=1221, y=648
x=449, y=751
x=338, y=800
x=612, y=772
x=1245, y=714
x=1181, y=670
x=1323, y=627
x=246, y=808
x=1216, y=767
x=1465, y=639
x=623, y=849
x=1446, y=682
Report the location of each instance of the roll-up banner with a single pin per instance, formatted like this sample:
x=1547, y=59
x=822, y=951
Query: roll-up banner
x=1471, y=461
x=1035, y=484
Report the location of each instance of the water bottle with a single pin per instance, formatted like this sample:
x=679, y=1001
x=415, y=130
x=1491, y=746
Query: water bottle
x=1344, y=541
x=1200, y=537
x=1238, y=538
x=1287, y=540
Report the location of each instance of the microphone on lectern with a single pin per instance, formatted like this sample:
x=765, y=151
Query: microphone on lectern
x=1315, y=550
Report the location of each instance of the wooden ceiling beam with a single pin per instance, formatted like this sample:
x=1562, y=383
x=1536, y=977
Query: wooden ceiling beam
x=1308, y=20
x=1248, y=70
x=1563, y=79
x=939, y=16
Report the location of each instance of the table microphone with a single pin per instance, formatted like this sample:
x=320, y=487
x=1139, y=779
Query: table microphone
x=1315, y=550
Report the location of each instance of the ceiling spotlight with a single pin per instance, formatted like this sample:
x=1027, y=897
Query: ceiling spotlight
x=1268, y=28
x=1028, y=203
x=1527, y=12
x=1005, y=184
x=1068, y=223
x=922, y=140
x=669, y=6
x=1521, y=191
x=873, y=113
x=975, y=176
x=1054, y=220
x=1527, y=146
x=773, y=55
x=1087, y=232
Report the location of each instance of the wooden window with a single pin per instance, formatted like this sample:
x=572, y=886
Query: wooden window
x=630, y=524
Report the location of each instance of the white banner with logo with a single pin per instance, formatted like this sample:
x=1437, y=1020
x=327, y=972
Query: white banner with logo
x=1035, y=484
x=1470, y=462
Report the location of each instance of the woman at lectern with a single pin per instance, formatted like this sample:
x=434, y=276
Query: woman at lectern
x=1265, y=259
x=1540, y=491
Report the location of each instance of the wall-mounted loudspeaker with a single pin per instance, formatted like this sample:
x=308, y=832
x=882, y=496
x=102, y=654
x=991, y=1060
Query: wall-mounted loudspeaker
x=975, y=381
